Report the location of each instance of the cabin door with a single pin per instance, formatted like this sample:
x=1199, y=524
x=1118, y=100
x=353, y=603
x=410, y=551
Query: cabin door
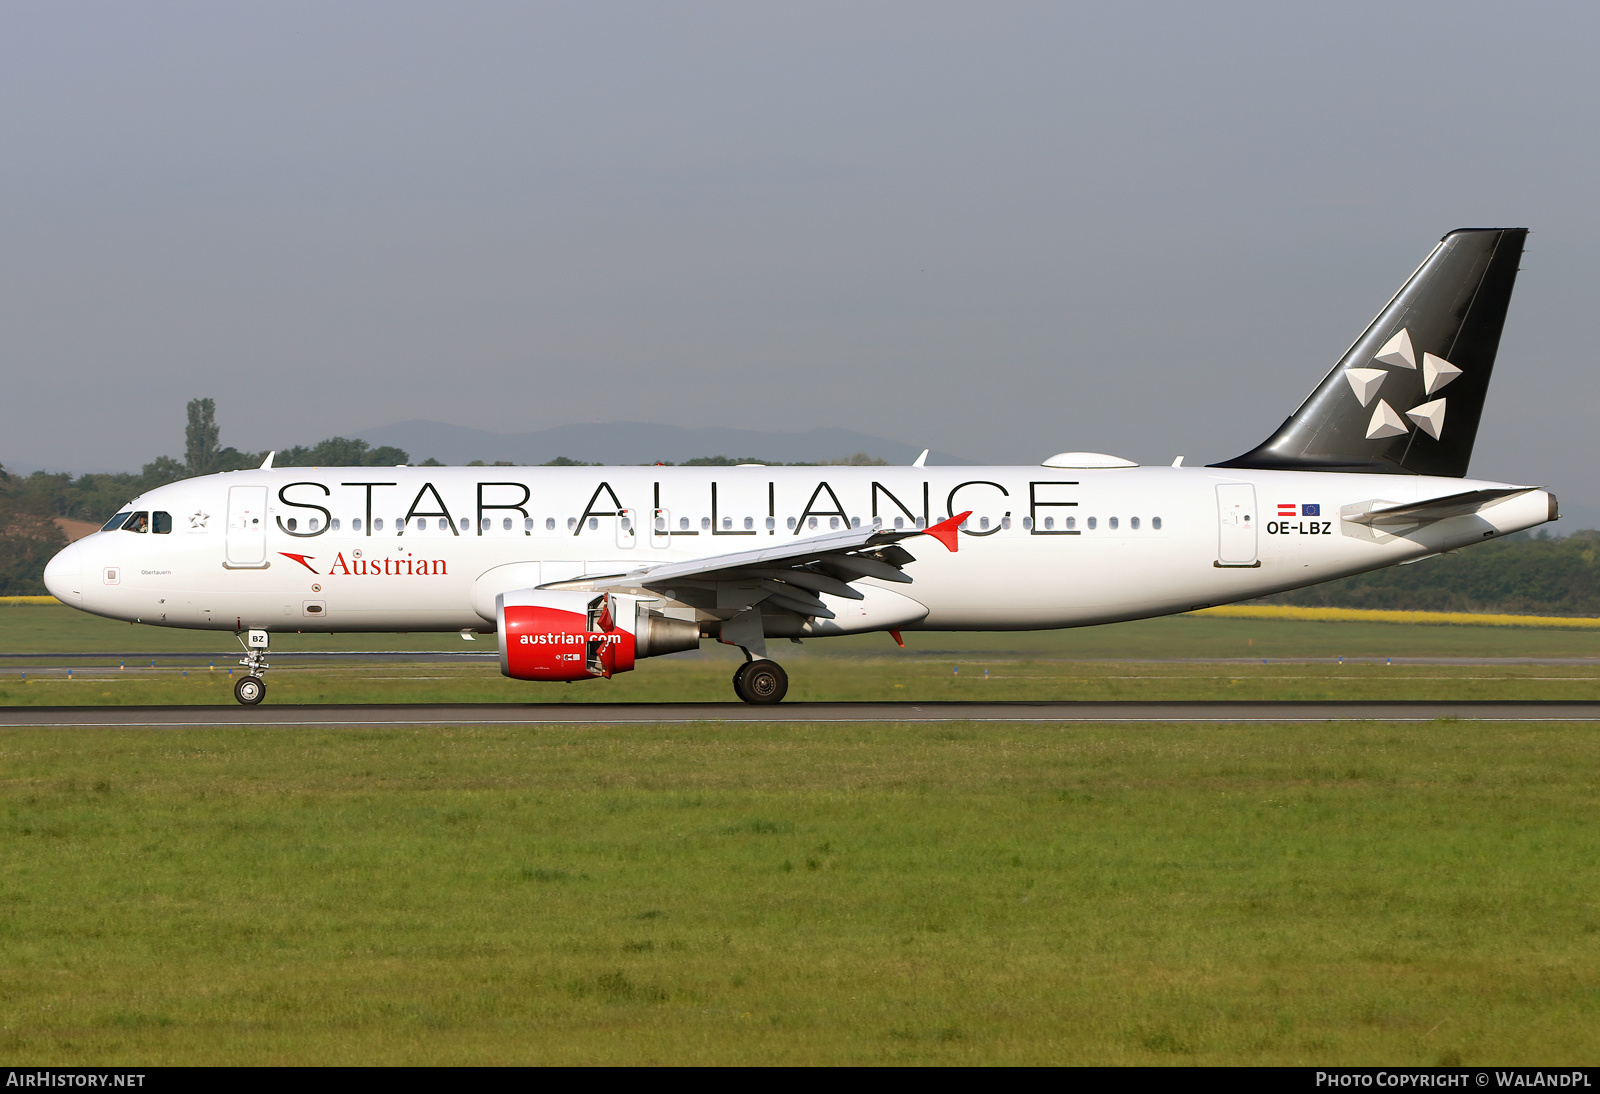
x=1236, y=525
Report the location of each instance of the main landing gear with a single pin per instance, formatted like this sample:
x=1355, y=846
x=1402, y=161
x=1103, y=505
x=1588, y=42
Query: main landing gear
x=250, y=689
x=761, y=682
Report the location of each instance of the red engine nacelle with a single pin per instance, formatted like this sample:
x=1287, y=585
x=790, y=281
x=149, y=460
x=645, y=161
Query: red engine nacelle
x=546, y=635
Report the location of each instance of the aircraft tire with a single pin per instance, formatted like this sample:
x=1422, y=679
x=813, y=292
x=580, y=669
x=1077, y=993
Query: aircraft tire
x=250, y=690
x=761, y=682
x=738, y=678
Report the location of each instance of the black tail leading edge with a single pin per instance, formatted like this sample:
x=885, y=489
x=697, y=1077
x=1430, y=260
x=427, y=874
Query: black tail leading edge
x=1407, y=397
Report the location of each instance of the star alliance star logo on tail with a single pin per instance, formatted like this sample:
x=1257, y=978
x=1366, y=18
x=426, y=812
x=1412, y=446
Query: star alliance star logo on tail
x=1398, y=353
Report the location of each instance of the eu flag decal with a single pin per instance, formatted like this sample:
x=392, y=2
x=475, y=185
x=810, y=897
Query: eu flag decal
x=1310, y=510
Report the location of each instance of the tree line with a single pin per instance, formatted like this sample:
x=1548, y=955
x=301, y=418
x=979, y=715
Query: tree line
x=1530, y=573
x=30, y=504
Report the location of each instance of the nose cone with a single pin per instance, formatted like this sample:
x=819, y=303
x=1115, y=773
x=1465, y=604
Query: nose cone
x=63, y=575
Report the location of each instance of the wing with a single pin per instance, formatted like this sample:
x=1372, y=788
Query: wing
x=789, y=575
x=1425, y=512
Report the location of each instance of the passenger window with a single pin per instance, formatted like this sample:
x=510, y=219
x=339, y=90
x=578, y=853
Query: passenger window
x=683, y=524
x=1133, y=522
x=466, y=524
x=855, y=522
x=727, y=524
x=1155, y=522
x=594, y=524
x=377, y=524
x=333, y=525
x=1091, y=524
x=311, y=524
x=1072, y=522
x=922, y=522
x=791, y=523
x=1113, y=523
x=771, y=524
x=750, y=523
x=983, y=522
x=137, y=522
x=811, y=522
x=549, y=524
x=162, y=523
x=572, y=524
x=115, y=522
x=355, y=524
x=505, y=525
x=705, y=523
x=1005, y=522
x=527, y=524
x=291, y=524
x=899, y=522
x=1049, y=523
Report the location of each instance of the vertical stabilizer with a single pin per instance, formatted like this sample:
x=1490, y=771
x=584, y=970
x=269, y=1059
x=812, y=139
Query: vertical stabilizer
x=1407, y=397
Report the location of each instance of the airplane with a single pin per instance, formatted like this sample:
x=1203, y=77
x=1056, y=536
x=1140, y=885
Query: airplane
x=580, y=572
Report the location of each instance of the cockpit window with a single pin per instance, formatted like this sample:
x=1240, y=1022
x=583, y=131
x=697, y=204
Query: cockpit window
x=115, y=522
x=137, y=522
x=163, y=523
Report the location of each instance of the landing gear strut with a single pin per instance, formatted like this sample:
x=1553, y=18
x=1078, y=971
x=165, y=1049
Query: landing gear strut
x=250, y=689
x=761, y=682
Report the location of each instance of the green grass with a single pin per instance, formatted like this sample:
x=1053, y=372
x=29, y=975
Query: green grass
x=706, y=680
x=1346, y=893
x=33, y=628
x=1047, y=665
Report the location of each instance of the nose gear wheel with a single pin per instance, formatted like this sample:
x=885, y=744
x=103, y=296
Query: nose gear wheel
x=250, y=690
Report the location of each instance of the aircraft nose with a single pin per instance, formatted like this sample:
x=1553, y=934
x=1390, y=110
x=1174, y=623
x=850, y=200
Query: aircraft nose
x=63, y=575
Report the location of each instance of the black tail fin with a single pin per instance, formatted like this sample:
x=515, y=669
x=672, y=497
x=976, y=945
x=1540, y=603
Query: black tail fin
x=1407, y=397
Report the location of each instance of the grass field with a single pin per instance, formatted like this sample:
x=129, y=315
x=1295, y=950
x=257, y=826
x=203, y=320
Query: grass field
x=706, y=680
x=730, y=893
x=1080, y=664
x=38, y=629
x=1348, y=893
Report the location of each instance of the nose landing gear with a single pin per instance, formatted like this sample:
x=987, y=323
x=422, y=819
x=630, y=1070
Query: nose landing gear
x=761, y=681
x=250, y=689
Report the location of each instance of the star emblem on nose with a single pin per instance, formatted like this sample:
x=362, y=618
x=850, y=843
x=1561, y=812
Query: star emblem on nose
x=198, y=518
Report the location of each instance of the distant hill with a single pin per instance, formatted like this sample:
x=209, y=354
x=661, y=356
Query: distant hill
x=636, y=443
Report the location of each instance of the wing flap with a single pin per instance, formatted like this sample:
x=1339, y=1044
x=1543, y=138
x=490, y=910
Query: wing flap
x=850, y=553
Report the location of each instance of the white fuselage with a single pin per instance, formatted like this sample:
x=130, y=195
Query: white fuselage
x=427, y=548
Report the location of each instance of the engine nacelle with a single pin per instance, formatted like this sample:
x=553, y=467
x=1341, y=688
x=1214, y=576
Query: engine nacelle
x=563, y=635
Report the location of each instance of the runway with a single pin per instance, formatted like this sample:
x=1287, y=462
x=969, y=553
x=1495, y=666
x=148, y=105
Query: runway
x=498, y=714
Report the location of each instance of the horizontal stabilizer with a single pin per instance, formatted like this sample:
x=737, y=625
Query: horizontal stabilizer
x=1425, y=512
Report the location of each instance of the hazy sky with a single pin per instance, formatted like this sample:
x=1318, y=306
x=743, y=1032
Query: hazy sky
x=1001, y=230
